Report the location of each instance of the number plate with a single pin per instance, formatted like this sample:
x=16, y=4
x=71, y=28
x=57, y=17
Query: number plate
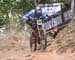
x=39, y=22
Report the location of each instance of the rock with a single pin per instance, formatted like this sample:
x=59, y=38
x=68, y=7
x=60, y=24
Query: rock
x=28, y=55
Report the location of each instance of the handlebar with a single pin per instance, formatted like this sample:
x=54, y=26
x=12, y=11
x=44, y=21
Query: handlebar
x=34, y=19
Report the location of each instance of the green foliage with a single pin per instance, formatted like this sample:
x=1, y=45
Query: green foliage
x=2, y=21
x=11, y=12
x=7, y=6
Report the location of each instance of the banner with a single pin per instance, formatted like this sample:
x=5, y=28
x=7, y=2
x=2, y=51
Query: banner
x=50, y=8
x=67, y=15
x=55, y=10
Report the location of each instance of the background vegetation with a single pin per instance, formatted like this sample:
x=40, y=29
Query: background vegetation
x=11, y=12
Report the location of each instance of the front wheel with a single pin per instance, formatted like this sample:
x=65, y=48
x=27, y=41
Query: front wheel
x=43, y=41
x=33, y=43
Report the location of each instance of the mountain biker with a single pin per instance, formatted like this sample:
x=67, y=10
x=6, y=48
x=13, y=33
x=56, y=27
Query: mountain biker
x=31, y=15
x=53, y=25
x=35, y=13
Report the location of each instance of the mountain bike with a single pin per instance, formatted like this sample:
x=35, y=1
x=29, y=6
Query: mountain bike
x=38, y=35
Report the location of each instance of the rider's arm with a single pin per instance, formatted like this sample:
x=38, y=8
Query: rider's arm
x=44, y=16
x=26, y=17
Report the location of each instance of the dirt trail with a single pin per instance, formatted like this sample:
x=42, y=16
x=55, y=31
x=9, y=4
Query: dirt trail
x=21, y=55
x=16, y=47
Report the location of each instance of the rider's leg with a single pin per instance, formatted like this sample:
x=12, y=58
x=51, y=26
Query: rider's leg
x=55, y=30
x=54, y=36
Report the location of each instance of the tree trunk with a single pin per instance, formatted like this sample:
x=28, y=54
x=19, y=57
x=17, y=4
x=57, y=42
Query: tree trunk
x=35, y=1
x=7, y=22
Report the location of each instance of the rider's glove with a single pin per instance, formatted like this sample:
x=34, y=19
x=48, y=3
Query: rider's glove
x=28, y=22
x=30, y=18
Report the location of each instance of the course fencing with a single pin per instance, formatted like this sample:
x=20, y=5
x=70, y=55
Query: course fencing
x=55, y=10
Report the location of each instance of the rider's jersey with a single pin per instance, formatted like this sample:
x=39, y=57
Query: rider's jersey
x=32, y=14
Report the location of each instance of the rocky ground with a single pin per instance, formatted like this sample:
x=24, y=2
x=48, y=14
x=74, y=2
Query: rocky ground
x=16, y=47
